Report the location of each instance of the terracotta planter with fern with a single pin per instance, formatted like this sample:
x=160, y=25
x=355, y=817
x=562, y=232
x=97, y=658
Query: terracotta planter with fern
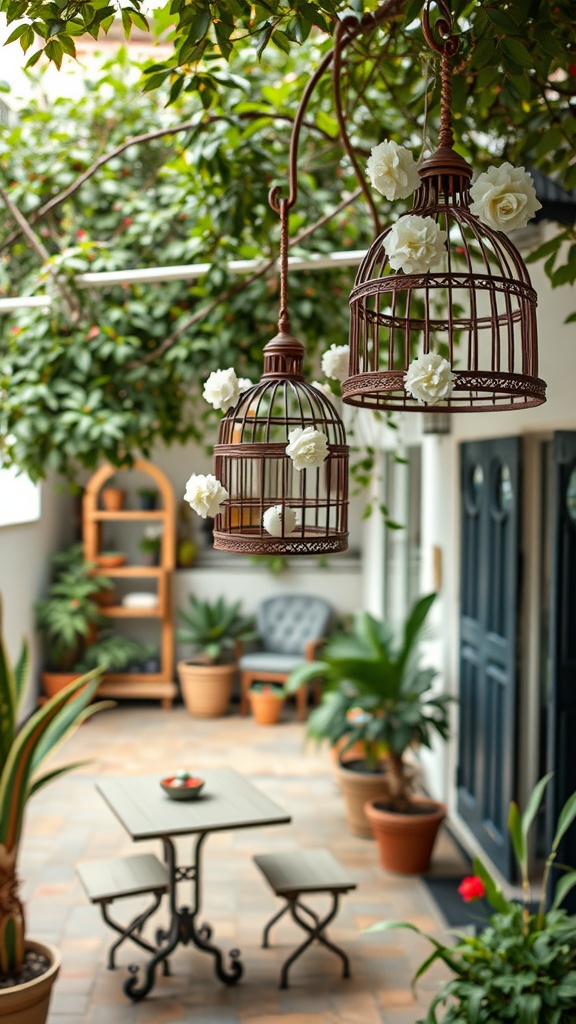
x=266, y=703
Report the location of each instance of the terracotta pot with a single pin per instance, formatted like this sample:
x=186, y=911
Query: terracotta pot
x=357, y=786
x=266, y=707
x=105, y=598
x=113, y=498
x=110, y=559
x=29, y=1003
x=405, y=841
x=52, y=683
x=206, y=689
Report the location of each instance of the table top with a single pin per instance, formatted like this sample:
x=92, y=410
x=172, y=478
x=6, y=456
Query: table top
x=228, y=801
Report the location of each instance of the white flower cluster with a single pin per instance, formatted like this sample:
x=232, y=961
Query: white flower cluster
x=504, y=198
x=223, y=388
x=429, y=379
x=205, y=494
x=392, y=171
x=279, y=520
x=415, y=244
x=153, y=531
x=335, y=362
x=307, y=447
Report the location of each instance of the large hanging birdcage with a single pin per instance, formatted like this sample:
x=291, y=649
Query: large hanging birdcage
x=274, y=507
x=475, y=307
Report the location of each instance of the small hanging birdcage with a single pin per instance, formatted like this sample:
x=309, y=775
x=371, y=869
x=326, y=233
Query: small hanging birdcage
x=475, y=308
x=282, y=456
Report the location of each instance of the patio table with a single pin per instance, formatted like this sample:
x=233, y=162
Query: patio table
x=228, y=801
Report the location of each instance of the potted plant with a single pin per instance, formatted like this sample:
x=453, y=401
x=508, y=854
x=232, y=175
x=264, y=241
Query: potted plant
x=28, y=969
x=266, y=701
x=213, y=629
x=69, y=616
x=377, y=694
x=148, y=498
x=521, y=966
x=151, y=542
x=112, y=652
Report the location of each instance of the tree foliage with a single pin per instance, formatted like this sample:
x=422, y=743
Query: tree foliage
x=106, y=374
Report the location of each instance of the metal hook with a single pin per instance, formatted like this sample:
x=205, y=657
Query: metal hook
x=440, y=36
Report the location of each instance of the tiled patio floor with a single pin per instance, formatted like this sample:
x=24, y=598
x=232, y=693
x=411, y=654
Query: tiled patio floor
x=70, y=822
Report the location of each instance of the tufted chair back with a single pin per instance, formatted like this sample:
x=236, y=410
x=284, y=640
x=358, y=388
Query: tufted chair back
x=286, y=623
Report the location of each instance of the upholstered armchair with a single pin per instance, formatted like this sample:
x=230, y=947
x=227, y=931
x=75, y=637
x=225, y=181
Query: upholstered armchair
x=290, y=629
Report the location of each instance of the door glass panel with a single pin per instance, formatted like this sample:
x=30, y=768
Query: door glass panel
x=474, y=488
x=504, y=490
x=571, y=496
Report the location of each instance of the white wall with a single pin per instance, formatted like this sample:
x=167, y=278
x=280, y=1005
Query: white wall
x=25, y=552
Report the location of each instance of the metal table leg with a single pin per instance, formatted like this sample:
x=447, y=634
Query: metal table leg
x=183, y=929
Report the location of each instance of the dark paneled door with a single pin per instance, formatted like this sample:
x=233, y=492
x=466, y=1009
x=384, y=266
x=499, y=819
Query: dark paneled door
x=490, y=519
x=562, y=684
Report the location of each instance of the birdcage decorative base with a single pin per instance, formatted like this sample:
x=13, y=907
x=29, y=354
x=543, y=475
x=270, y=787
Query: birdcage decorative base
x=254, y=544
x=473, y=392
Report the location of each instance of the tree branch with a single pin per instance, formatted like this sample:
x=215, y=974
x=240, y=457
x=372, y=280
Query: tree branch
x=135, y=140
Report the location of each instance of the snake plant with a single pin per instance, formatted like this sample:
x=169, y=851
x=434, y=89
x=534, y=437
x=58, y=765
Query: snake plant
x=23, y=750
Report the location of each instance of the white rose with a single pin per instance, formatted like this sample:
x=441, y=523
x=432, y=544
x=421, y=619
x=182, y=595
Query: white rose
x=221, y=389
x=279, y=520
x=504, y=197
x=244, y=384
x=392, y=171
x=307, y=447
x=335, y=362
x=414, y=244
x=429, y=379
x=205, y=494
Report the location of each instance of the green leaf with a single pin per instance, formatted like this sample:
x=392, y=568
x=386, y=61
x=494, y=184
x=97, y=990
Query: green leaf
x=563, y=887
x=534, y=803
x=565, y=819
x=515, y=830
x=493, y=894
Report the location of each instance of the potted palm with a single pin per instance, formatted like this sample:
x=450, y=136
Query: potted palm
x=376, y=693
x=212, y=629
x=69, y=616
x=28, y=969
x=521, y=966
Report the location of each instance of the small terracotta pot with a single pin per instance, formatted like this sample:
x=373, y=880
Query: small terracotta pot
x=105, y=598
x=113, y=498
x=110, y=559
x=206, y=689
x=53, y=682
x=266, y=707
x=405, y=841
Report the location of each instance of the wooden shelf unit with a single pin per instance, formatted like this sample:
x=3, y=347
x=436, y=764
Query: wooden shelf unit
x=156, y=685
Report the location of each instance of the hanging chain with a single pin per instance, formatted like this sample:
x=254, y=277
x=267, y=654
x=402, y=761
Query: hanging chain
x=441, y=39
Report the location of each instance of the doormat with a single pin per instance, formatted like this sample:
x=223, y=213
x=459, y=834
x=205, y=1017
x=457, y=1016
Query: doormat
x=455, y=911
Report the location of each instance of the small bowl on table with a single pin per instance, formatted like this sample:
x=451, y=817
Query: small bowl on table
x=182, y=789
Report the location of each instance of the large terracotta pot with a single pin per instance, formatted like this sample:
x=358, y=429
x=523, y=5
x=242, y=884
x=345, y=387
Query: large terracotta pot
x=359, y=785
x=266, y=706
x=206, y=689
x=405, y=841
x=29, y=1003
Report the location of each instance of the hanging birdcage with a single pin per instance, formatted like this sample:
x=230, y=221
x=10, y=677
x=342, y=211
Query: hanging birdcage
x=274, y=507
x=475, y=307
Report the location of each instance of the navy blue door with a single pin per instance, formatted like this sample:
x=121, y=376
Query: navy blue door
x=490, y=521
x=562, y=683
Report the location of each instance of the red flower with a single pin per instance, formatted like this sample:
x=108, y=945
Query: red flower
x=80, y=235
x=471, y=888
x=93, y=332
x=572, y=70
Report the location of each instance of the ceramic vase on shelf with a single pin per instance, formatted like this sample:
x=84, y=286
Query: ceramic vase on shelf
x=113, y=498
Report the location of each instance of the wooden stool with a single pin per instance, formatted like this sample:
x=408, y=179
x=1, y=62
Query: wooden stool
x=299, y=872
x=109, y=880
